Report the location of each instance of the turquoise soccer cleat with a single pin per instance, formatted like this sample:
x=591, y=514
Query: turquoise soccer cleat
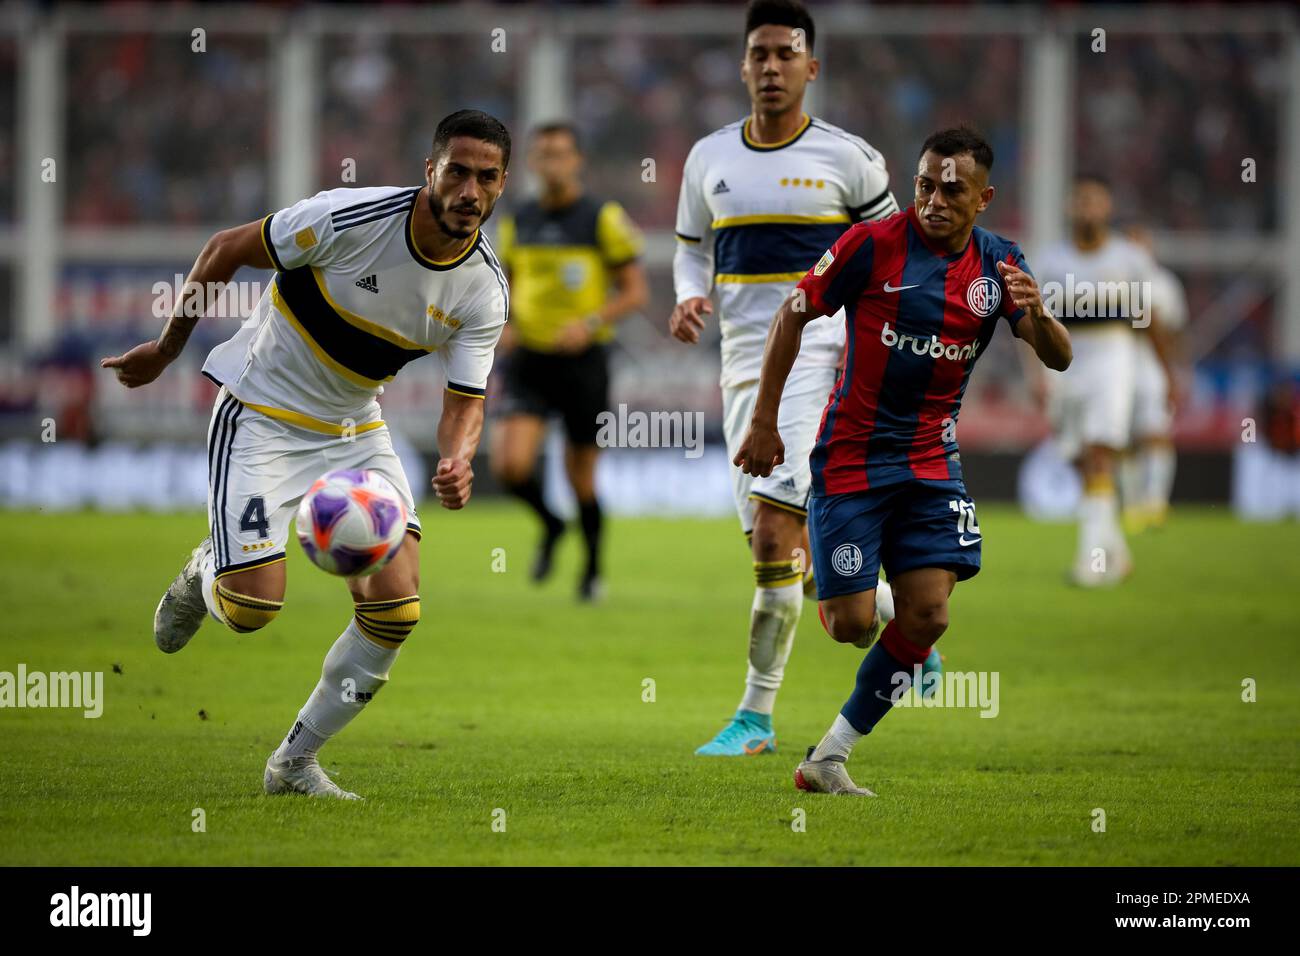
x=749, y=733
x=931, y=665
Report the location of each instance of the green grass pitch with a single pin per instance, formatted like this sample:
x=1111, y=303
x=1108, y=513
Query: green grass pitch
x=513, y=698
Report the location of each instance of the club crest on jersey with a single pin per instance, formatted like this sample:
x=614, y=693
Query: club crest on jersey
x=823, y=263
x=983, y=296
x=847, y=560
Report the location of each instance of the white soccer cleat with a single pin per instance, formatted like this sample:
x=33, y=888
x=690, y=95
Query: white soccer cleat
x=302, y=775
x=1083, y=576
x=827, y=776
x=182, y=609
x=884, y=614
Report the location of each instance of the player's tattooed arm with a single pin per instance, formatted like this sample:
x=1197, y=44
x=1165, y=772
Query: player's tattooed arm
x=762, y=449
x=459, y=431
x=1044, y=334
x=220, y=259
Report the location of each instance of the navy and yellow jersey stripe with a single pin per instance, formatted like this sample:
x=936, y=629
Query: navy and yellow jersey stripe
x=772, y=248
x=561, y=263
x=312, y=424
x=269, y=245
x=223, y=570
x=801, y=510
x=877, y=207
x=360, y=351
x=469, y=391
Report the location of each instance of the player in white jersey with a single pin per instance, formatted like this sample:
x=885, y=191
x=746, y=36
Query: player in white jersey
x=1099, y=285
x=1147, y=472
x=761, y=200
x=366, y=280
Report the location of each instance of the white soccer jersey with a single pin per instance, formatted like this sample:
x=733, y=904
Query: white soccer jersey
x=752, y=219
x=1098, y=294
x=352, y=301
x=1098, y=286
x=1169, y=299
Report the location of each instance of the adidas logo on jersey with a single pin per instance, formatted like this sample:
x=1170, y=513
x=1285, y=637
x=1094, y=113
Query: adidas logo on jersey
x=721, y=188
x=369, y=283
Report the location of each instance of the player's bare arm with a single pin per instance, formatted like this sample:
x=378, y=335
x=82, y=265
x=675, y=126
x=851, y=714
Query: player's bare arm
x=1044, y=334
x=1164, y=343
x=220, y=259
x=762, y=449
x=459, y=431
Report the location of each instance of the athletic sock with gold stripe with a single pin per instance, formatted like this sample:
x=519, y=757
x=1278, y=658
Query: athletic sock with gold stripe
x=778, y=600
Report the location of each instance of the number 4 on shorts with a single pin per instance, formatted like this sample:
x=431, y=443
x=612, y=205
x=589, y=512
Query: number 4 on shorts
x=254, y=517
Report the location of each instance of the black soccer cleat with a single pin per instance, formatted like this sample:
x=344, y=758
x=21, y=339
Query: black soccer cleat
x=546, y=552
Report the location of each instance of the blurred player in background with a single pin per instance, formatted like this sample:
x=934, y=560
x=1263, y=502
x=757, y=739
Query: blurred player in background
x=334, y=325
x=760, y=201
x=1103, y=280
x=1147, y=471
x=562, y=251
x=924, y=290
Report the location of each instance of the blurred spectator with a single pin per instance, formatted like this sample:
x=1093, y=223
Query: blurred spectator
x=157, y=133
x=1171, y=118
x=383, y=95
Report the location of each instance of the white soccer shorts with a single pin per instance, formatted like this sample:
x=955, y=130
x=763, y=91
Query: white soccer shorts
x=1091, y=402
x=258, y=470
x=806, y=393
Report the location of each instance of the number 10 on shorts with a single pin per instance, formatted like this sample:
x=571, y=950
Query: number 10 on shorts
x=966, y=523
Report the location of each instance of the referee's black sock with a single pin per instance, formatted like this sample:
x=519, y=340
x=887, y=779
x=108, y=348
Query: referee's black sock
x=590, y=516
x=529, y=492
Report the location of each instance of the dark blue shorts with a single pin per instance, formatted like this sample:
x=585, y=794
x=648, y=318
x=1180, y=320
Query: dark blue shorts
x=905, y=526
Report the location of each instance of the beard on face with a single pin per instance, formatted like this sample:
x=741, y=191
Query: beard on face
x=438, y=209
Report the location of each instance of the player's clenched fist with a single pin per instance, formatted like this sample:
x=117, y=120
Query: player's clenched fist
x=140, y=366
x=451, y=482
x=760, y=452
x=687, y=320
x=1022, y=288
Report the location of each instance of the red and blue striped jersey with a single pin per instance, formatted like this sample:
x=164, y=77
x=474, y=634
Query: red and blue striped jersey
x=917, y=318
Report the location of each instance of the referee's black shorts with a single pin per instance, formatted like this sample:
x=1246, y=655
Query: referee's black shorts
x=575, y=387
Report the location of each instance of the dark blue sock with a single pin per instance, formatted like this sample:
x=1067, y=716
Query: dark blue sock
x=879, y=683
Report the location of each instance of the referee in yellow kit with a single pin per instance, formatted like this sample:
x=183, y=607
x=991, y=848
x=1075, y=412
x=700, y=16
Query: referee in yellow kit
x=573, y=266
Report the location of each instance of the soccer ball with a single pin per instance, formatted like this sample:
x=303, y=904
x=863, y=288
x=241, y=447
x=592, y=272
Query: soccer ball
x=351, y=522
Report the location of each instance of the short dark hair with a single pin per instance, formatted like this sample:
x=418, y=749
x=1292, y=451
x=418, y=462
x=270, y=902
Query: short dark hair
x=958, y=140
x=781, y=13
x=476, y=124
x=559, y=126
